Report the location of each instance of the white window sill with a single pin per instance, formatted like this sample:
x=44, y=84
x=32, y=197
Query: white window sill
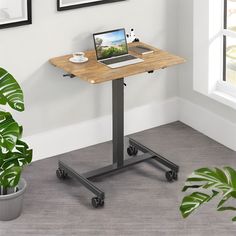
x=224, y=93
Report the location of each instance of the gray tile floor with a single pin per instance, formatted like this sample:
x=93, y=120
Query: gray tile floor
x=139, y=201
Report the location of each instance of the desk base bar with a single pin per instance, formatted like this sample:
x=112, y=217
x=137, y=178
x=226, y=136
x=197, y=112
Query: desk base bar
x=68, y=171
x=84, y=178
x=115, y=167
x=155, y=155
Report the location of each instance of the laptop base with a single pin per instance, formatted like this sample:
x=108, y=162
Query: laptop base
x=124, y=63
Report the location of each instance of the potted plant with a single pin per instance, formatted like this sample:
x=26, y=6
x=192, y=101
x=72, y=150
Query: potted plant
x=210, y=183
x=14, y=153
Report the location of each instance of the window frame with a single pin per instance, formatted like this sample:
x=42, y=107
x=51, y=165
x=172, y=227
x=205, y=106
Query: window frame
x=225, y=38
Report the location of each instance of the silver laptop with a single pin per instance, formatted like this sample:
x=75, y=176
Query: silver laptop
x=112, y=49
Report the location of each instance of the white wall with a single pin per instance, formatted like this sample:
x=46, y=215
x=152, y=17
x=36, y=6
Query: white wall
x=210, y=117
x=57, y=106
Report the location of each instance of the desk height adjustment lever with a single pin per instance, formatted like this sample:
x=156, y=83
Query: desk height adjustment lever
x=68, y=75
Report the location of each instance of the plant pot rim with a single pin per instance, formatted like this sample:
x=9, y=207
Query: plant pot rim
x=22, y=187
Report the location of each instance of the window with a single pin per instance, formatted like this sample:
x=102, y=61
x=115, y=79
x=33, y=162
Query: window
x=229, y=42
x=214, y=50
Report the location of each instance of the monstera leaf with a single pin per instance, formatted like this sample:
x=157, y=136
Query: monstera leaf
x=193, y=201
x=20, y=157
x=217, y=181
x=10, y=131
x=10, y=178
x=12, y=162
x=10, y=91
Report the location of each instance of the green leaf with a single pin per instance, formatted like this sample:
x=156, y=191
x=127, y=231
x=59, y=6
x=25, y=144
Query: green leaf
x=195, y=200
x=217, y=180
x=22, y=147
x=186, y=187
x=226, y=209
x=21, y=157
x=10, y=178
x=10, y=91
x=233, y=194
x=220, y=180
x=20, y=131
x=234, y=219
x=231, y=176
x=9, y=131
x=225, y=199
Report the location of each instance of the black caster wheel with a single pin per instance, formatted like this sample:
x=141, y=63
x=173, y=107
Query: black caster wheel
x=171, y=176
x=97, y=202
x=102, y=202
x=175, y=176
x=132, y=151
x=61, y=174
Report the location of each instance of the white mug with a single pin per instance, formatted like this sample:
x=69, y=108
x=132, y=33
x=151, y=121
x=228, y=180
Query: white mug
x=79, y=56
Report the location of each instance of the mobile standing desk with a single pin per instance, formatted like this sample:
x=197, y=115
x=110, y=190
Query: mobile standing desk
x=94, y=72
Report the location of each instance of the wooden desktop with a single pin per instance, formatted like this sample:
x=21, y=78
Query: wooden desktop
x=94, y=72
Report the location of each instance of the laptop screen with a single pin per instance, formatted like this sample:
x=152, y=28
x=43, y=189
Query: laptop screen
x=110, y=44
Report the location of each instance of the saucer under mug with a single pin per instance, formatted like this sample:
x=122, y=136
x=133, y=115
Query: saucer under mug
x=81, y=60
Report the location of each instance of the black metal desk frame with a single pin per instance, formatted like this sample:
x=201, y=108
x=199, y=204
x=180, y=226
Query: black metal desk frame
x=118, y=151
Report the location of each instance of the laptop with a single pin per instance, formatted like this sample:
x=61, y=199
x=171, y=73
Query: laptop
x=112, y=49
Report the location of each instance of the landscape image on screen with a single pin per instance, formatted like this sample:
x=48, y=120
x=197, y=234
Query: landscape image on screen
x=111, y=44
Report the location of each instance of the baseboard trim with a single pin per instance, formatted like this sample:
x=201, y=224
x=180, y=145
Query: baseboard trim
x=208, y=123
x=66, y=139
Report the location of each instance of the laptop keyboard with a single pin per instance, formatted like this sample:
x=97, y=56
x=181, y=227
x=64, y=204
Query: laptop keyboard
x=118, y=59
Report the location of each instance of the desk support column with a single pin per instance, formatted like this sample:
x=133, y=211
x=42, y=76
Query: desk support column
x=118, y=121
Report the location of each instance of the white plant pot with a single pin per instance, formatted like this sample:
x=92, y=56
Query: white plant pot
x=11, y=204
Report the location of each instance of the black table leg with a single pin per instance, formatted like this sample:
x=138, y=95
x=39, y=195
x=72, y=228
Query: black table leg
x=118, y=121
